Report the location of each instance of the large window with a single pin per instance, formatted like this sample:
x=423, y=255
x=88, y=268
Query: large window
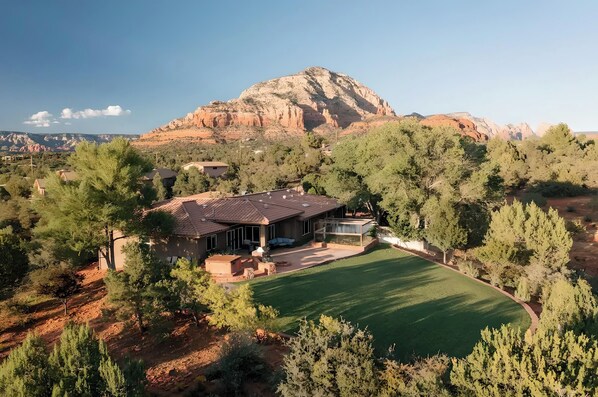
x=211, y=242
x=307, y=227
x=252, y=233
x=234, y=238
x=271, y=232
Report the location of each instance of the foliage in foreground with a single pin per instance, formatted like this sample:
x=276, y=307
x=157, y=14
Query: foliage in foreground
x=240, y=359
x=79, y=365
x=561, y=359
x=503, y=363
x=335, y=358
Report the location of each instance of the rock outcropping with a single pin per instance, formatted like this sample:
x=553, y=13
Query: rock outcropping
x=465, y=126
x=491, y=129
x=311, y=99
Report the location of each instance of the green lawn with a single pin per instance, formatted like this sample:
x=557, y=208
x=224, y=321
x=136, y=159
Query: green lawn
x=420, y=307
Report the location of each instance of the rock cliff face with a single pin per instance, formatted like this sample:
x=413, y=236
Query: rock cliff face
x=491, y=129
x=11, y=141
x=314, y=98
x=464, y=125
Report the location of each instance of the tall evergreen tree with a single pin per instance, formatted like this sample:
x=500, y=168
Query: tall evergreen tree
x=139, y=291
x=84, y=214
x=79, y=365
x=161, y=192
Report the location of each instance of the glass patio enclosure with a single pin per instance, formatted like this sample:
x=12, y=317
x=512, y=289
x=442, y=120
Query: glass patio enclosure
x=344, y=231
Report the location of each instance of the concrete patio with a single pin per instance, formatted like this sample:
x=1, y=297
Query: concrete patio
x=308, y=256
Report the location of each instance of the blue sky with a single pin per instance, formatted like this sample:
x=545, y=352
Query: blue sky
x=153, y=61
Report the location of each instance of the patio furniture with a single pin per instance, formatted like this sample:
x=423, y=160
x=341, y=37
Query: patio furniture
x=281, y=242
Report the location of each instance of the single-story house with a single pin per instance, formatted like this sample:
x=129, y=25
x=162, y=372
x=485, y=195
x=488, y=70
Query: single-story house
x=215, y=169
x=40, y=186
x=67, y=176
x=204, y=225
x=167, y=176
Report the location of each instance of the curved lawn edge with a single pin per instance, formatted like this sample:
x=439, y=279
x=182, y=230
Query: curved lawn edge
x=533, y=316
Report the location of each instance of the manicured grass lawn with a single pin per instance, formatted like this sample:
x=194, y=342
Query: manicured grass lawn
x=420, y=307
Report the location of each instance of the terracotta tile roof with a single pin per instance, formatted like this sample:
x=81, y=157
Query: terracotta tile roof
x=198, y=215
x=310, y=205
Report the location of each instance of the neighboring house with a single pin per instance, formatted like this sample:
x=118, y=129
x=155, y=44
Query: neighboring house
x=167, y=176
x=67, y=176
x=40, y=186
x=204, y=225
x=215, y=169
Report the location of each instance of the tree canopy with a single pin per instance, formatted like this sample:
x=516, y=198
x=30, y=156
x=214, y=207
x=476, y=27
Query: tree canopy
x=106, y=196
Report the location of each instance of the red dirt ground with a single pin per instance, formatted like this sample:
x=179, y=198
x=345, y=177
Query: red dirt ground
x=584, y=254
x=174, y=365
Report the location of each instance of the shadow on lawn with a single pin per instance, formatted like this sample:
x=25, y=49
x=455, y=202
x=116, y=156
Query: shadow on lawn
x=405, y=300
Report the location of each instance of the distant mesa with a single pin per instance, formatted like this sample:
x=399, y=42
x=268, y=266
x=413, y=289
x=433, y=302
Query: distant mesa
x=14, y=141
x=315, y=99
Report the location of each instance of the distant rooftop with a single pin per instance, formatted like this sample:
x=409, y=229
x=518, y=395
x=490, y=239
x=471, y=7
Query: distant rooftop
x=206, y=164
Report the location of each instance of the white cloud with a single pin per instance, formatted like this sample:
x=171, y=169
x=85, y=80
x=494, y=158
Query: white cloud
x=40, y=119
x=112, y=110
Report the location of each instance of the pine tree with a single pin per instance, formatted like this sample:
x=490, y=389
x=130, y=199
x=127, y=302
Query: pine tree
x=140, y=290
x=330, y=358
x=569, y=306
x=79, y=365
x=25, y=372
x=161, y=192
x=84, y=214
x=503, y=363
x=533, y=242
x=189, y=285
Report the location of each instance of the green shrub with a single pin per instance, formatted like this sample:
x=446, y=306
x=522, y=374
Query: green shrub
x=575, y=227
x=469, y=268
x=533, y=197
x=558, y=189
x=240, y=359
x=329, y=358
x=523, y=291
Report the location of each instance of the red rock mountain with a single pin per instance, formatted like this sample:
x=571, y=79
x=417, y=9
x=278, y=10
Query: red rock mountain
x=313, y=99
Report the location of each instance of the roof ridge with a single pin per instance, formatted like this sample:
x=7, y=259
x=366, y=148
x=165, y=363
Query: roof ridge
x=279, y=205
x=189, y=218
x=258, y=210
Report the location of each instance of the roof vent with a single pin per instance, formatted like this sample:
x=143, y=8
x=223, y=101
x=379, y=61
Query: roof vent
x=203, y=219
x=302, y=193
x=288, y=190
x=265, y=205
x=284, y=196
x=268, y=193
x=260, y=200
x=204, y=205
x=305, y=205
